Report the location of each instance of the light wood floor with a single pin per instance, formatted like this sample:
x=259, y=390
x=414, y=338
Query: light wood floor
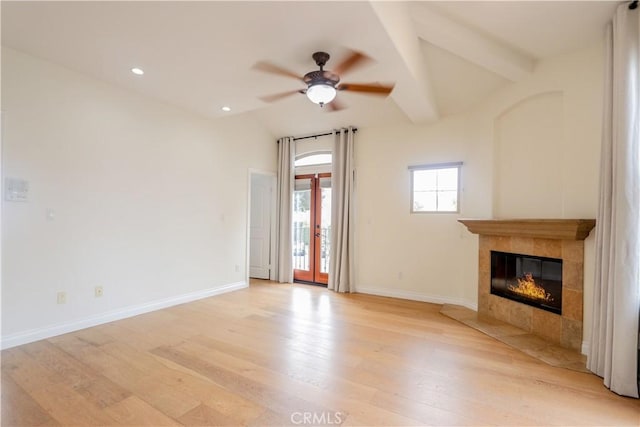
x=282, y=355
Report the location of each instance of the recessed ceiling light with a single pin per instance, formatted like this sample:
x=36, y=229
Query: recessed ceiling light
x=137, y=71
x=225, y=108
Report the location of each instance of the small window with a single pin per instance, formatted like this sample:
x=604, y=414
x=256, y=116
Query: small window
x=313, y=160
x=435, y=188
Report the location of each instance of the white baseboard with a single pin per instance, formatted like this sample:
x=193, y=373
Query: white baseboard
x=586, y=346
x=416, y=296
x=32, y=335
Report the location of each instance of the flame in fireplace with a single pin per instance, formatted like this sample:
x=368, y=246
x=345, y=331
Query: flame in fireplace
x=528, y=288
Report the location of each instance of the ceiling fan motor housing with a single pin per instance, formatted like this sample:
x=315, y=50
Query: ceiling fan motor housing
x=321, y=77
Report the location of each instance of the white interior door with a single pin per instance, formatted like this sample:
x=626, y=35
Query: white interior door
x=260, y=226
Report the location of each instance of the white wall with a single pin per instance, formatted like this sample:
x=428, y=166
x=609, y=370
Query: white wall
x=150, y=202
x=417, y=255
x=529, y=160
x=540, y=136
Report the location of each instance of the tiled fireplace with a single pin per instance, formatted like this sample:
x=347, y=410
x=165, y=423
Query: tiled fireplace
x=559, y=245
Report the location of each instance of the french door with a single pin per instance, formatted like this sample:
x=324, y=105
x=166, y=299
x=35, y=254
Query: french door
x=311, y=228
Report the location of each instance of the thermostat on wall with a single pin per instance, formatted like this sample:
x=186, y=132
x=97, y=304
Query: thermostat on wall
x=16, y=190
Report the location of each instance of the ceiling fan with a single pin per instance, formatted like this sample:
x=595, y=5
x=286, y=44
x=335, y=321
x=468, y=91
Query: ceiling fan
x=323, y=85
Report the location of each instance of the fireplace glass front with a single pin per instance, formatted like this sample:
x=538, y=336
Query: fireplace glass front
x=532, y=280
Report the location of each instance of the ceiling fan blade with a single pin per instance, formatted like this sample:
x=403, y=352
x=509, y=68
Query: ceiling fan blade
x=351, y=62
x=374, y=89
x=335, y=105
x=268, y=67
x=279, y=96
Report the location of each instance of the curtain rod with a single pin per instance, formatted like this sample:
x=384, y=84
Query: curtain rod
x=312, y=136
x=298, y=138
x=317, y=135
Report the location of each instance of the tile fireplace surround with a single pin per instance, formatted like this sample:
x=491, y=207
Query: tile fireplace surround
x=553, y=238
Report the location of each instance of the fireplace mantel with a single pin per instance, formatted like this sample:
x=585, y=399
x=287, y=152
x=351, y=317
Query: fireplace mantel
x=563, y=229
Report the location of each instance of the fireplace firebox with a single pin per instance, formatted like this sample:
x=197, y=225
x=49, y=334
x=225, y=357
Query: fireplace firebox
x=532, y=280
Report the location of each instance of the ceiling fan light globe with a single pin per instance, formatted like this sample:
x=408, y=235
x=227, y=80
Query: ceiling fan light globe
x=321, y=93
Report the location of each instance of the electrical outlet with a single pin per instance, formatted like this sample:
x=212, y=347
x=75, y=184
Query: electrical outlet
x=62, y=297
x=237, y=268
x=98, y=291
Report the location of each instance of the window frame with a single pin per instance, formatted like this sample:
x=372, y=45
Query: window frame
x=432, y=166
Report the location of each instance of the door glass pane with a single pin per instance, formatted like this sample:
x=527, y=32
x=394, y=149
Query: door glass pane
x=325, y=223
x=301, y=223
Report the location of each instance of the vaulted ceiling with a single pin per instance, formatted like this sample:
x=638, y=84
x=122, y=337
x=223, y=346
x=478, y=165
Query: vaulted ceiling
x=444, y=57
